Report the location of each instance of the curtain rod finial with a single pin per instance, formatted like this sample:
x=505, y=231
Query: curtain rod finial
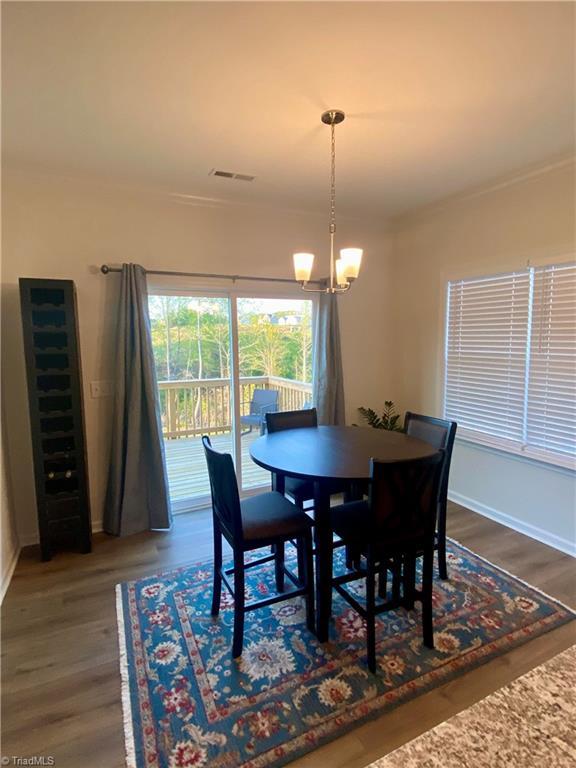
x=104, y=269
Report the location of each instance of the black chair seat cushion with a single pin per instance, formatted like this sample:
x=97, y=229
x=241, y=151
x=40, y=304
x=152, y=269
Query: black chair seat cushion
x=271, y=516
x=350, y=521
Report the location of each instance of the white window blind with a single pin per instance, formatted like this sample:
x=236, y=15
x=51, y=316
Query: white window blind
x=486, y=352
x=551, y=423
x=510, y=360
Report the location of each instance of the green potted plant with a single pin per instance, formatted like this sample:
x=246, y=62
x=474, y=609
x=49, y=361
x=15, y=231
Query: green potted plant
x=389, y=419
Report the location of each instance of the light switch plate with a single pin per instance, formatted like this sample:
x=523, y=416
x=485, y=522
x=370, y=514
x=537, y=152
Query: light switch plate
x=100, y=389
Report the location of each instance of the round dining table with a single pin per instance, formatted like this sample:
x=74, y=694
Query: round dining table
x=324, y=455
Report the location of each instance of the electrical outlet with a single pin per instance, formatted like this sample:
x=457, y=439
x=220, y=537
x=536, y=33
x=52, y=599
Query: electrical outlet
x=100, y=389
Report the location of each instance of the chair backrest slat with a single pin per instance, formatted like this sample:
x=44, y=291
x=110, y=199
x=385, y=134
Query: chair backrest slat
x=224, y=489
x=276, y=422
x=437, y=432
x=403, y=501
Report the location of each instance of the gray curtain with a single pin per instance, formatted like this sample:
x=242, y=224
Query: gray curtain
x=328, y=375
x=137, y=495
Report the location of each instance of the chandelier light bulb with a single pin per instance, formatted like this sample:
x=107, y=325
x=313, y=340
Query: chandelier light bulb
x=351, y=258
x=303, y=263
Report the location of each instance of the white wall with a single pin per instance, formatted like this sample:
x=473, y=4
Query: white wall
x=62, y=228
x=494, y=230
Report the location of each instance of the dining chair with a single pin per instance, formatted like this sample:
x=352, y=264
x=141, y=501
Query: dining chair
x=264, y=520
x=300, y=491
x=391, y=529
x=262, y=402
x=440, y=433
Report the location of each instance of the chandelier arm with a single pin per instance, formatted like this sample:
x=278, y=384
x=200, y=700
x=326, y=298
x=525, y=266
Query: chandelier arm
x=314, y=290
x=342, y=289
x=328, y=289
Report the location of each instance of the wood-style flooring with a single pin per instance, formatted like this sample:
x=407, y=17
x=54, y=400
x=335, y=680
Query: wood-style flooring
x=61, y=682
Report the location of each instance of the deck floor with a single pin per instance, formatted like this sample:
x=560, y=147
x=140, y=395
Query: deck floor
x=186, y=466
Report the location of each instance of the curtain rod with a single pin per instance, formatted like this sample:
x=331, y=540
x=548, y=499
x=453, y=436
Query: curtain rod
x=105, y=269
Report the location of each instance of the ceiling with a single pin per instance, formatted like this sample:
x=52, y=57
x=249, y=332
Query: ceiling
x=439, y=97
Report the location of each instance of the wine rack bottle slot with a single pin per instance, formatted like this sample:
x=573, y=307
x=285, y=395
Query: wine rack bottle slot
x=58, y=445
x=57, y=466
x=68, y=475
x=66, y=531
x=62, y=485
x=50, y=340
x=48, y=317
x=59, y=508
x=54, y=403
x=53, y=296
x=57, y=424
x=44, y=362
x=55, y=382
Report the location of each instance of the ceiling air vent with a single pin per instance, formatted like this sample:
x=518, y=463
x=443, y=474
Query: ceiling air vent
x=229, y=175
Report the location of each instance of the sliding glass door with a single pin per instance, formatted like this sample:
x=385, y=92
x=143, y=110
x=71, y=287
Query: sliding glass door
x=222, y=362
x=192, y=350
x=275, y=366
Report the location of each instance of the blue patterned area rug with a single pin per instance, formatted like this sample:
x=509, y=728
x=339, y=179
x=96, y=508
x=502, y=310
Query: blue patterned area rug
x=187, y=704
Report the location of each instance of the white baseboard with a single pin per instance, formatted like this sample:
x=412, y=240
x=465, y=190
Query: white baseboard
x=533, y=531
x=7, y=572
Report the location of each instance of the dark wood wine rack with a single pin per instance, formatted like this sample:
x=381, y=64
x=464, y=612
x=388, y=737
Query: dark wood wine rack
x=53, y=370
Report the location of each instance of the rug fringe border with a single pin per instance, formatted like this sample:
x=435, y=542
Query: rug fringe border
x=125, y=677
x=514, y=576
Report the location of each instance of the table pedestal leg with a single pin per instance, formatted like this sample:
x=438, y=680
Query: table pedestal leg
x=278, y=482
x=323, y=542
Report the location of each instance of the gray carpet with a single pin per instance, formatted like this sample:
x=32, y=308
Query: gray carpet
x=530, y=723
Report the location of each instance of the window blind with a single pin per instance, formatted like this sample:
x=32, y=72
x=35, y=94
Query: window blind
x=510, y=361
x=486, y=353
x=551, y=411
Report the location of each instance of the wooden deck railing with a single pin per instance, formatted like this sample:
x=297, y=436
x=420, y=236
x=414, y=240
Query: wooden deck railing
x=199, y=406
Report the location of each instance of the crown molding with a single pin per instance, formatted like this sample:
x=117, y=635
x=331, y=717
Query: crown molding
x=518, y=177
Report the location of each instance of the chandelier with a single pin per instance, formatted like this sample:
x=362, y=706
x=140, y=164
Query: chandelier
x=344, y=270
